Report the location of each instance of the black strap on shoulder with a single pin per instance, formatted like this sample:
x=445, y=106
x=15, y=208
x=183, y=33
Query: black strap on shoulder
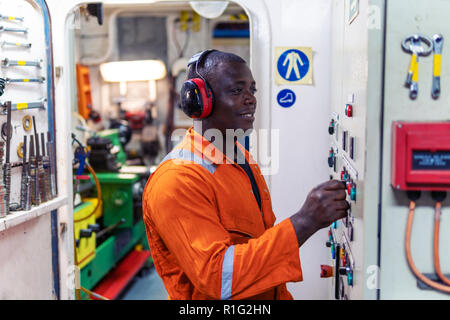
x=251, y=177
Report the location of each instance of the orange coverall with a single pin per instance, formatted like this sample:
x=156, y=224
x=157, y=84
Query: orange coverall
x=207, y=235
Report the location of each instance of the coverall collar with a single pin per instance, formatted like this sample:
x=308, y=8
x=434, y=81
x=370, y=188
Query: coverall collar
x=209, y=151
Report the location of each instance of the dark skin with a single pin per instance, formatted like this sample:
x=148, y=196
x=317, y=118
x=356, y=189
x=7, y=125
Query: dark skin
x=234, y=88
x=235, y=104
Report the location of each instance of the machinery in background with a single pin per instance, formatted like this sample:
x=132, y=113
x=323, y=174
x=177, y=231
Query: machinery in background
x=84, y=94
x=110, y=240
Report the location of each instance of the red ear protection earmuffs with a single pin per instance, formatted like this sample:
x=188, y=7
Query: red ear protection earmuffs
x=197, y=98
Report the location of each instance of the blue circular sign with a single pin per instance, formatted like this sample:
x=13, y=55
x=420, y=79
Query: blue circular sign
x=293, y=65
x=286, y=98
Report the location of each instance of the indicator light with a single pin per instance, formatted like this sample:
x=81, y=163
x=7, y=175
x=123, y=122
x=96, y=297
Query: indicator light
x=349, y=110
x=350, y=277
x=353, y=192
x=326, y=271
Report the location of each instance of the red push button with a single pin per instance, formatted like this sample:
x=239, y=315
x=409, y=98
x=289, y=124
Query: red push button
x=349, y=110
x=326, y=271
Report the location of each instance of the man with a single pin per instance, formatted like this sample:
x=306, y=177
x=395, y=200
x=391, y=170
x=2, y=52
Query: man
x=209, y=218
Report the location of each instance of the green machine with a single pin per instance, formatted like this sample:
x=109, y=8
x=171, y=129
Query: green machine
x=122, y=229
x=113, y=135
x=117, y=194
x=122, y=226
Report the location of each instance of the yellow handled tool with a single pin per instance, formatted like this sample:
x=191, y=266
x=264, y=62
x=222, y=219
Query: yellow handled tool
x=438, y=42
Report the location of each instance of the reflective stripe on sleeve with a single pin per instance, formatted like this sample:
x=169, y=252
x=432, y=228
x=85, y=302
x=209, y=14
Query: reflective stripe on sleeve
x=227, y=273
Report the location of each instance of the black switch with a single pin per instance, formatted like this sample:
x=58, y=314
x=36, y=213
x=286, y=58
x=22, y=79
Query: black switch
x=85, y=233
x=331, y=161
x=331, y=158
x=344, y=140
x=352, y=147
x=94, y=227
x=331, y=127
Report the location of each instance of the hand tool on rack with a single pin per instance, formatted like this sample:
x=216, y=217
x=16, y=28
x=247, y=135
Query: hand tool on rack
x=40, y=80
x=415, y=43
x=34, y=199
x=5, y=81
x=21, y=63
x=52, y=167
x=438, y=43
x=15, y=44
x=416, y=49
x=11, y=18
x=24, y=180
x=46, y=170
x=25, y=105
x=7, y=29
x=7, y=165
x=39, y=168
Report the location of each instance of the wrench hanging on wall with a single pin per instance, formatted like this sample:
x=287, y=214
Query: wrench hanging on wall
x=438, y=42
x=25, y=105
x=416, y=49
x=21, y=30
x=6, y=62
x=11, y=18
x=15, y=44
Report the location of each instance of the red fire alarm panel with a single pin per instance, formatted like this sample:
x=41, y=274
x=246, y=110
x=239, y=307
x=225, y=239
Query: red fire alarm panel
x=421, y=155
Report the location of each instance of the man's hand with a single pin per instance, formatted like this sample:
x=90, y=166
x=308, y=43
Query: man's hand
x=324, y=204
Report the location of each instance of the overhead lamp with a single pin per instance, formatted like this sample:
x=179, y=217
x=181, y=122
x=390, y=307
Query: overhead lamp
x=140, y=70
x=209, y=9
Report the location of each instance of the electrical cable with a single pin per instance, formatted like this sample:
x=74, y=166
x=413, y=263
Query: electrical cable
x=99, y=193
x=78, y=290
x=93, y=294
x=97, y=182
x=439, y=197
x=99, y=202
x=175, y=40
x=180, y=50
x=417, y=273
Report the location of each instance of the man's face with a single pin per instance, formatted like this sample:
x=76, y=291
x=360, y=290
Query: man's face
x=235, y=104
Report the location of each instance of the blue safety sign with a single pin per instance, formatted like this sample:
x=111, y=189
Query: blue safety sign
x=293, y=65
x=286, y=98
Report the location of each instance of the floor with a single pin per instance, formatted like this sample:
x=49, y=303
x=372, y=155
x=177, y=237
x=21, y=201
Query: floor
x=145, y=286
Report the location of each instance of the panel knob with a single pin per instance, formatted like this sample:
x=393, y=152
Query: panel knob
x=85, y=233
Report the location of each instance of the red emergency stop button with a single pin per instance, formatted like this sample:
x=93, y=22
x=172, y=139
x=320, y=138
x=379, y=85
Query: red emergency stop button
x=326, y=271
x=349, y=110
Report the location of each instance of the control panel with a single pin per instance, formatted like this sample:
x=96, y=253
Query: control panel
x=389, y=140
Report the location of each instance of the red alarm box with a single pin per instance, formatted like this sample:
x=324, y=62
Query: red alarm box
x=421, y=155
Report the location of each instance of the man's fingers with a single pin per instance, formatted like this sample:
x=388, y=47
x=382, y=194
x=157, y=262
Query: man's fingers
x=339, y=195
x=334, y=185
x=341, y=214
x=342, y=205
